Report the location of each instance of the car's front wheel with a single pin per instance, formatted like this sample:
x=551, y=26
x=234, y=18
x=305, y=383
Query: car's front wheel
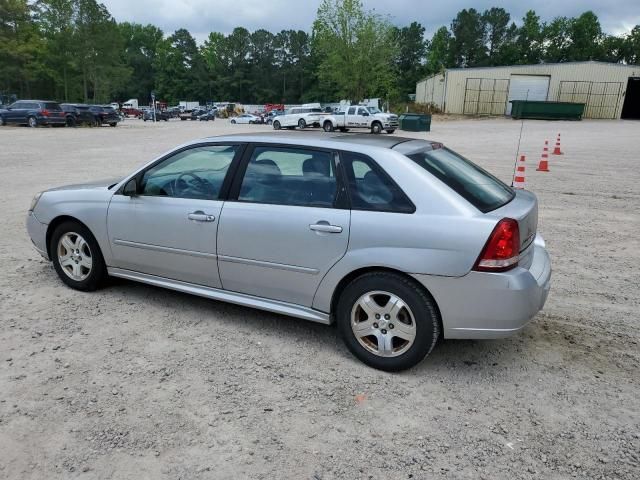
x=387, y=320
x=76, y=257
x=376, y=127
x=302, y=124
x=328, y=126
x=233, y=121
x=276, y=125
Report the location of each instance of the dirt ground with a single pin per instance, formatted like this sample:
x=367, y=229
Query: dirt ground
x=135, y=382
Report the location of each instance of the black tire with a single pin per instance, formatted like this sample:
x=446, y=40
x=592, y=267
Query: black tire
x=32, y=122
x=421, y=304
x=114, y=124
x=98, y=272
x=276, y=125
x=71, y=122
x=391, y=131
x=376, y=128
x=3, y=122
x=233, y=121
x=328, y=126
x=302, y=124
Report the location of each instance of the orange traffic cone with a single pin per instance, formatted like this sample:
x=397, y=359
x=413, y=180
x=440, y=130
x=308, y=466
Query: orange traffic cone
x=556, y=150
x=518, y=180
x=544, y=160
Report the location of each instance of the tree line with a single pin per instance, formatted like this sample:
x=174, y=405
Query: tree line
x=74, y=50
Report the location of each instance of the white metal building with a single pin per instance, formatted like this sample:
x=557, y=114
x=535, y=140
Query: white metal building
x=609, y=90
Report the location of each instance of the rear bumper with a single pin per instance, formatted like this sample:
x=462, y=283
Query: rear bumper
x=38, y=234
x=492, y=305
x=42, y=120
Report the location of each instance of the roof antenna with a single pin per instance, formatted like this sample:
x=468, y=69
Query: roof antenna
x=515, y=165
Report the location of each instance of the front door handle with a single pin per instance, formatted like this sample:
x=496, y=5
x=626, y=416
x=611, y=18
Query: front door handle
x=325, y=227
x=200, y=216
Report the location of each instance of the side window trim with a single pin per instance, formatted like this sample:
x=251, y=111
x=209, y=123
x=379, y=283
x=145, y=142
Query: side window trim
x=342, y=195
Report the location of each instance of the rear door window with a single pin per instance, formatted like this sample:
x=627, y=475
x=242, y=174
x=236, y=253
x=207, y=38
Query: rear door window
x=289, y=176
x=52, y=106
x=477, y=186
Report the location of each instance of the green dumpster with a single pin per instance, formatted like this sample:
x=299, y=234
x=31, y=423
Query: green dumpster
x=546, y=110
x=415, y=122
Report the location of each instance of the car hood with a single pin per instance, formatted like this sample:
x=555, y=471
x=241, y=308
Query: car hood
x=386, y=115
x=96, y=185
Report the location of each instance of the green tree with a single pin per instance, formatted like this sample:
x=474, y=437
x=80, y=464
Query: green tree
x=585, y=38
x=411, y=49
x=530, y=39
x=496, y=22
x=469, y=38
x=140, y=44
x=355, y=49
x=439, y=53
x=21, y=49
x=557, y=40
x=632, y=46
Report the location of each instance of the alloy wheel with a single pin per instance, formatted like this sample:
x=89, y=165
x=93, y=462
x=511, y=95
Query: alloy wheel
x=74, y=256
x=383, y=324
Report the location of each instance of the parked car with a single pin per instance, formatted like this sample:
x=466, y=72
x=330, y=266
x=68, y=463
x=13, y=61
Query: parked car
x=399, y=241
x=300, y=117
x=77, y=114
x=160, y=115
x=33, y=113
x=246, y=118
x=272, y=115
x=210, y=115
x=131, y=112
x=104, y=115
x=360, y=117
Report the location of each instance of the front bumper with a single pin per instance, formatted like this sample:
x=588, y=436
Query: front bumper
x=484, y=305
x=38, y=233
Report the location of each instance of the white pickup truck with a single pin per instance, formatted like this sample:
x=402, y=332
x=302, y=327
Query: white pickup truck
x=360, y=116
x=301, y=117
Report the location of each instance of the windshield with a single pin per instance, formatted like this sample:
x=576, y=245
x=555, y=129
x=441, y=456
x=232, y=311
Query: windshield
x=476, y=185
x=373, y=110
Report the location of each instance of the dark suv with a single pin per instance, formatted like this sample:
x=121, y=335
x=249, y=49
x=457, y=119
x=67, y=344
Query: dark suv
x=160, y=115
x=104, y=115
x=33, y=113
x=77, y=114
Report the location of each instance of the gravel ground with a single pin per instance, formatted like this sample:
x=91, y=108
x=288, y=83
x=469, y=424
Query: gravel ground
x=137, y=382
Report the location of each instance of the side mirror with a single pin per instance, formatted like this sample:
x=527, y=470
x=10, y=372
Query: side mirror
x=131, y=188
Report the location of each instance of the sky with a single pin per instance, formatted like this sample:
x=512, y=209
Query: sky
x=203, y=16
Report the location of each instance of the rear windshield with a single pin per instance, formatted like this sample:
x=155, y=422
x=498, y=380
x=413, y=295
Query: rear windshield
x=478, y=187
x=51, y=106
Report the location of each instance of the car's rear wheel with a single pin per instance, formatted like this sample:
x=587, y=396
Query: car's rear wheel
x=302, y=123
x=71, y=122
x=376, y=127
x=276, y=125
x=76, y=256
x=387, y=320
x=233, y=121
x=328, y=127
x=32, y=122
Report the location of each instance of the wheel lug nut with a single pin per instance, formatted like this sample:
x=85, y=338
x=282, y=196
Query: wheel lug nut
x=387, y=317
x=377, y=316
x=384, y=332
x=375, y=325
x=391, y=326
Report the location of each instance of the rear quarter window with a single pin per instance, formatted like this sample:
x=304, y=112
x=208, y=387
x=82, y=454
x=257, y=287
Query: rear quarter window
x=51, y=106
x=477, y=186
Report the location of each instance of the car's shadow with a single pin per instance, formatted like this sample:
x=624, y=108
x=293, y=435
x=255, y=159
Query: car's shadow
x=466, y=357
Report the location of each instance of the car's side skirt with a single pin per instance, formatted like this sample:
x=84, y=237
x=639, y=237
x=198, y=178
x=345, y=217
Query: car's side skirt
x=260, y=303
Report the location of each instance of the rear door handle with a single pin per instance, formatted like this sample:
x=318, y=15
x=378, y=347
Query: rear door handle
x=325, y=227
x=200, y=216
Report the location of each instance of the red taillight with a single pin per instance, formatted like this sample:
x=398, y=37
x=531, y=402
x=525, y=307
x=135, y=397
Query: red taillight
x=502, y=249
x=44, y=112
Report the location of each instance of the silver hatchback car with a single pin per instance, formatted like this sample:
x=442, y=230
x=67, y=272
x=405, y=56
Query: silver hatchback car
x=399, y=241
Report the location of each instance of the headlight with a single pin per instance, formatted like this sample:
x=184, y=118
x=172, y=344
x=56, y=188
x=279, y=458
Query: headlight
x=34, y=202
